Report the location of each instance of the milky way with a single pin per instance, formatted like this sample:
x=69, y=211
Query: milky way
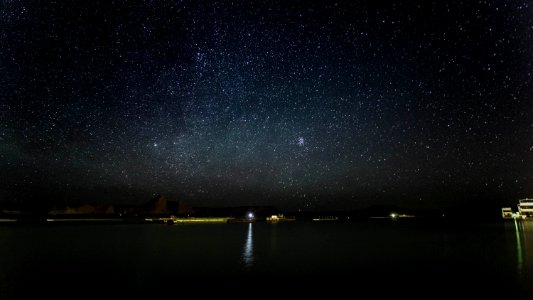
x=288, y=103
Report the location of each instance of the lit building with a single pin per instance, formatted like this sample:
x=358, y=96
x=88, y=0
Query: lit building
x=525, y=208
x=507, y=213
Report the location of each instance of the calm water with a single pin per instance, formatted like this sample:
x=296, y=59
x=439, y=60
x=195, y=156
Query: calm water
x=380, y=257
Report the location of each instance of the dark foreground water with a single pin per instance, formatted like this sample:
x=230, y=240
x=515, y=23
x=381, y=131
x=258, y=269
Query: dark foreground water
x=404, y=258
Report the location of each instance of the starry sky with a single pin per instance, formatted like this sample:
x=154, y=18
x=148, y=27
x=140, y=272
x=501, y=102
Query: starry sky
x=297, y=104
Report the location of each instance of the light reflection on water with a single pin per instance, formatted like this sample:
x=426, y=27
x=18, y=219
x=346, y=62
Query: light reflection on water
x=248, y=250
x=519, y=230
x=524, y=254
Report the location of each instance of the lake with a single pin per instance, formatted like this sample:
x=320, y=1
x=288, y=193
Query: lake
x=380, y=257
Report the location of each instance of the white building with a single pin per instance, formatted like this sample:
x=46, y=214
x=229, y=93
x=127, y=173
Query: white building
x=507, y=213
x=525, y=208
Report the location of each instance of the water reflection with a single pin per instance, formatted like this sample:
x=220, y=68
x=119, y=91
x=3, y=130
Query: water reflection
x=248, y=251
x=524, y=252
x=519, y=229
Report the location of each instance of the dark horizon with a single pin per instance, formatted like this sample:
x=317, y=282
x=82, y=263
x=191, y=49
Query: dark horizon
x=42, y=205
x=298, y=105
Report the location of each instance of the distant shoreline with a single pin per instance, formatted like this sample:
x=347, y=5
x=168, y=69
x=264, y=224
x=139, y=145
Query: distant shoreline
x=222, y=220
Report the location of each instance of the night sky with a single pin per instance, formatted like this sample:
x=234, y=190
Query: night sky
x=301, y=105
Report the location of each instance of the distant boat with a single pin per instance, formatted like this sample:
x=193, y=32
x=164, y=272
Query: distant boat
x=278, y=218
